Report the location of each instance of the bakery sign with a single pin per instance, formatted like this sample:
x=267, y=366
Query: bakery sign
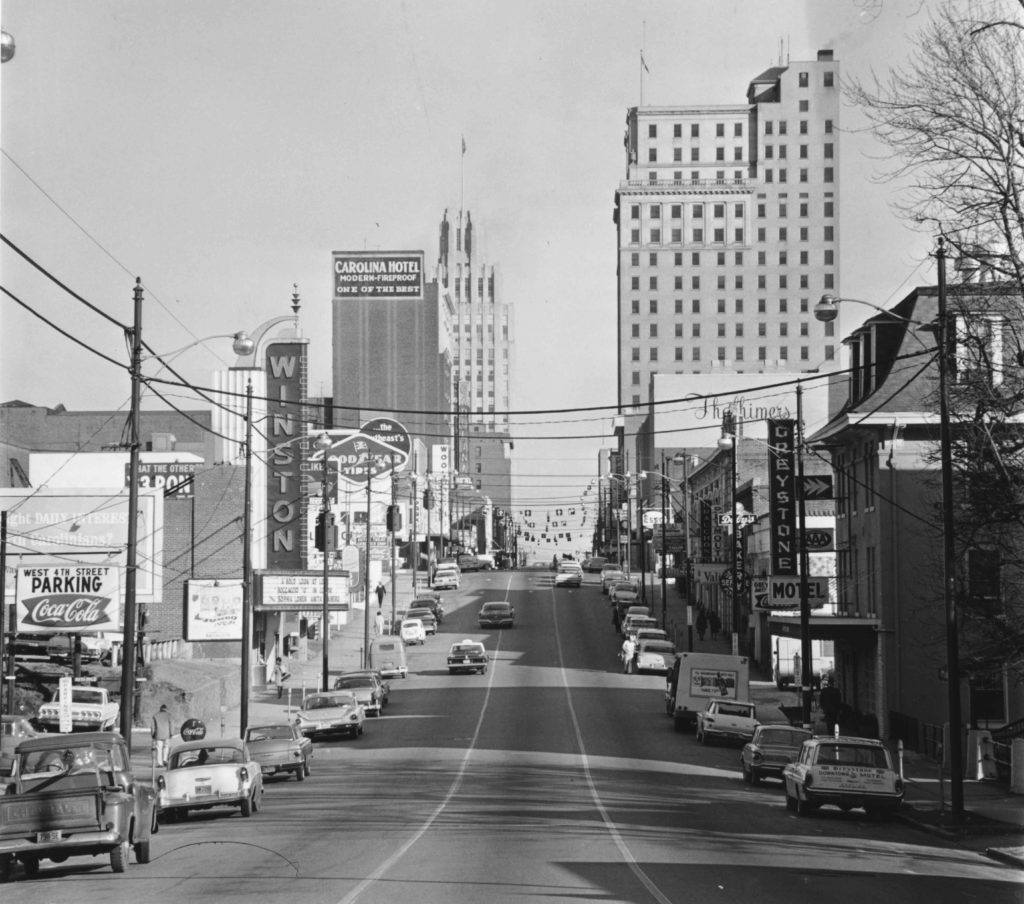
x=65, y=599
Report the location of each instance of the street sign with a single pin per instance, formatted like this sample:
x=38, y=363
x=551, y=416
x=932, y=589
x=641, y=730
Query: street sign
x=817, y=486
x=820, y=539
x=783, y=592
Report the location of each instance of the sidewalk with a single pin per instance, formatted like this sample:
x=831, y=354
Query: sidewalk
x=989, y=807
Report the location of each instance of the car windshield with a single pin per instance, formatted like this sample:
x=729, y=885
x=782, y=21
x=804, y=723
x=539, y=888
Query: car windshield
x=735, y=709
x=67, y=759
x=467, y=649
x=657, y=646
x=623, y=586
x=852, y=755
x=206, y=756
x=789, y=737
x=495, y=607
x=269, y=733
x=353, y=682
x=326, y=702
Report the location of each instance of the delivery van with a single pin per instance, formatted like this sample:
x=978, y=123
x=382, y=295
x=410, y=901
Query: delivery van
x=696, y=678
x=387, y=656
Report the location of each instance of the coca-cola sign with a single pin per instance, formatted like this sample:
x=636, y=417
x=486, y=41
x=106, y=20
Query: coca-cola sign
x=61, y=599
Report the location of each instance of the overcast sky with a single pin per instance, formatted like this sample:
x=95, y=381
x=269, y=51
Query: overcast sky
x=221, y=149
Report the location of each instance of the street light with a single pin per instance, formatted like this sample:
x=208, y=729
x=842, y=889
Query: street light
x=827, y=308
x=730, y=440
x=323, y=443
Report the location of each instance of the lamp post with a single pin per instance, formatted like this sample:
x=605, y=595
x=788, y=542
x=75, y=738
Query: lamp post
x=729, y=440
x=414, y=546
x=664, y=547
x=323, y=443
x=826, y=310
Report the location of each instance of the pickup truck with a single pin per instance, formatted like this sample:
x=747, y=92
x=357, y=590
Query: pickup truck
x=733, y=720
x=74, y=795
x=91, y=710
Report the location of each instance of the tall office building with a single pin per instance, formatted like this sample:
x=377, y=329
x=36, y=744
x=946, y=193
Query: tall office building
x=482, y=357
x=728, y=232
x=391, y=335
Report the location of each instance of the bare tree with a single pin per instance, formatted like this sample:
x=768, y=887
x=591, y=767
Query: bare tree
x=953, y=118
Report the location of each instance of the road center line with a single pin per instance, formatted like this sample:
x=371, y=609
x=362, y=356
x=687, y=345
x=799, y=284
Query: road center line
x=613, y=830
x=381, y=870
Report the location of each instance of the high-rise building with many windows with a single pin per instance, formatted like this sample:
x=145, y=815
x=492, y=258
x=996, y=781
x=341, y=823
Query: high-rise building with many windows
x=728, y=231
x=482, y=357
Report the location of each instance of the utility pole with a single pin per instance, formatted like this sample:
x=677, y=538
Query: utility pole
x=243, y=713
x=127, y=703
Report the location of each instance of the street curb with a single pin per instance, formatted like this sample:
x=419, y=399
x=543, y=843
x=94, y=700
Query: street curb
x=1010, y=856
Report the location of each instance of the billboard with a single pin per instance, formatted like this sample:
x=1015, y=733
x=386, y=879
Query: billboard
x=213, y=610
x=65, y=599
x=378, y=274
x=86, y=527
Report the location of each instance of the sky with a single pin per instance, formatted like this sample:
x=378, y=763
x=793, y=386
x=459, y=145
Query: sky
x=222, y=149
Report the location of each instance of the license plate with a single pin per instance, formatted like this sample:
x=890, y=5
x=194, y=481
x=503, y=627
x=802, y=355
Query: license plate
x=54, y=835
x=204, y=789
x=465, y=662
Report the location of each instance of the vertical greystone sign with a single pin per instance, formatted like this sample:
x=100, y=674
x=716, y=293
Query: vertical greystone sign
x=782, y=496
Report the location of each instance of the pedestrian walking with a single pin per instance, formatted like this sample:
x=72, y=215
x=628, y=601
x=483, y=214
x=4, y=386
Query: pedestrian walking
x=378, y=623
x=702, y=624
x=715, y=624
x=628, y=651
x=161, y=732
x=381, y=590
x=830, y=699
x=278, y=676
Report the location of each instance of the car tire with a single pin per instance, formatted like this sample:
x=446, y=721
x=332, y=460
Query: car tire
x=6, y=867
x=247, y=807
x=142, y=854
x=118, y=858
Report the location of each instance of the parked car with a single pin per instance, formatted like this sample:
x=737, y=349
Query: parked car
x=280, y=748
x=210, y=773
x=643, y=634
x=331, y=712
x=365, y=689
x=487, y=561
x=594, y=564
x=610, y=574
x=730, y=720
x=94, y=648
x=467, y=656
x=431, y=601
x=387, y=656
x=771, y=749
x=469, y=563
x=633, y=623
x=412, y=631
x=377, y=676
x=497, y=615
x=844, y=772
x=624, y=592
x=426, y=616
x=654, y=656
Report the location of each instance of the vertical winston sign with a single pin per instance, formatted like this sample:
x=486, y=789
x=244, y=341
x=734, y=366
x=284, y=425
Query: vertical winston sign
x=286, y=385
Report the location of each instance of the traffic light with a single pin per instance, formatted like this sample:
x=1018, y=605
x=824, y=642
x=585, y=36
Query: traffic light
x=325, y=540
x=428, y=499
x=394, y=518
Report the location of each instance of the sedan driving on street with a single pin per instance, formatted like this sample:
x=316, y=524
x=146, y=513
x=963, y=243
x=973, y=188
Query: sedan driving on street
x=497, y=615
x=771, y=749
x=208, y=773
x=280, y=748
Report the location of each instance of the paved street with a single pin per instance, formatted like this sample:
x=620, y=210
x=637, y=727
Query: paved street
x=553, y=776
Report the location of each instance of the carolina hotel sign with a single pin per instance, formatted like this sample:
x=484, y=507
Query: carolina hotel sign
x=286, y=387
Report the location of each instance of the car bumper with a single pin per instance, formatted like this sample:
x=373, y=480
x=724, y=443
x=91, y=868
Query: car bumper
x=889, y=802
x=503, y=623
x=78, y=843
